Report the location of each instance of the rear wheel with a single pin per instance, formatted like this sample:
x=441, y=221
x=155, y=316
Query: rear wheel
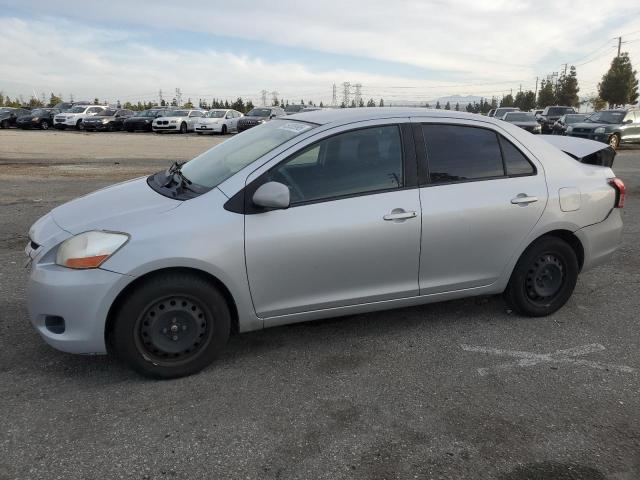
x=543, y=279
x=224, y=129
x=614, y=141
x=171, y=326
x=183, y=127
x=79, y=125
x=44, y=125
x=4, y=124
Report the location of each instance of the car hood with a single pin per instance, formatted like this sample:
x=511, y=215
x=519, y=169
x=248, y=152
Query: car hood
x=97, y=118
x=171, y=118
x=247, y=117
x=532, y=123
x=210, y=120
x=140, y=119
x=118, y=207
x=592, y=125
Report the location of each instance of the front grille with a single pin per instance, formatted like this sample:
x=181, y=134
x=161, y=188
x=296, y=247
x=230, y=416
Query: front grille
x=582, y=130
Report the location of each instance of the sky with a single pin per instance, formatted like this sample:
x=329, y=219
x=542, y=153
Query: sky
x=399, y=50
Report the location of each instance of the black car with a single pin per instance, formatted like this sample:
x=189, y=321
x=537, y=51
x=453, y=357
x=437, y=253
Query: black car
x=525, y=120
x=258, y=116
x=550, y=115
x=109, y=120
x=9, y=116
x=609, y=126
x=560, y=127
x=142, y=120
x=38, y=118
x=291, y=109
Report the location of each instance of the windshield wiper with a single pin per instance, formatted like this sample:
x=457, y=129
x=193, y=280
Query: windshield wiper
x=174, y=176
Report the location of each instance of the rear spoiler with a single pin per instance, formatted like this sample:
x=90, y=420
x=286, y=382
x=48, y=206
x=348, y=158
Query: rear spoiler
x=583, y=150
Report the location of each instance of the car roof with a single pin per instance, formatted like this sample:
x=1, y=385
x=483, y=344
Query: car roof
x=350, y=115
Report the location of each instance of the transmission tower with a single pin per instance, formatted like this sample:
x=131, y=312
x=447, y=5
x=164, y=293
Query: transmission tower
x=160, y=99
x=334, y=97
x=274, y=97
x=358, y=94
x=178, y=97
x=346, y=88
x=263, y=94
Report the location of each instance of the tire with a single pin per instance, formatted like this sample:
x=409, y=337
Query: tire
x=183, y=128
x=224, y=130
x=79, y=125
x=44, y=125
x=4, y=124
x=199, y=133
x=111, y=127
x=614, y=141
x=173, y=325
x=543, y=279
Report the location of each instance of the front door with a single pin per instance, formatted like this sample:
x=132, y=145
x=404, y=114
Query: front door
x=482, y=199
x=351, y=234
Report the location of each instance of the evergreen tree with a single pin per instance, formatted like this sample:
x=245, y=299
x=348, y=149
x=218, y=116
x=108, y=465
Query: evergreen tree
x=427, y=105
x=353, y=104
x=361, y=103
x=619, y=85
x=238, y=105
x=381, y=104
x=54, y=100
x=567, y=89
x=507, y=101
x=248, y=107
x=438, y=107
x=447, y=106
x=546, y=96
x=322, y=106
x=457, y=107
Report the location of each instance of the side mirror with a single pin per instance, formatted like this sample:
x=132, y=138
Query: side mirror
x=628, y=121
x=272, y=195
x=272, y=116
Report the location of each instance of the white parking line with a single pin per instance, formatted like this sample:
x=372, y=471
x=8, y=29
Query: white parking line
x=530, y=359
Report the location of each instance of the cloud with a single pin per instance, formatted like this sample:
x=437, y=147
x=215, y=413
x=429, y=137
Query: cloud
x=484, y=46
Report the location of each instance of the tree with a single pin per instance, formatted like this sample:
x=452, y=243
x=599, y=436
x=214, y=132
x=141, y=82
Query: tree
x=381, y=104
x=507, y=101
x=353, y=104
x=322, y=106
x=438, y=107
x=371, y=103
x=361, y=103
x=96, y=101
x=54, y=100
x=546, y=96
x=248, y=107
x=447, y=106
x=238, y=105
x=567, y=89
x=525, y=101
x=427, y=105
x=457, y=107
x=619, y=85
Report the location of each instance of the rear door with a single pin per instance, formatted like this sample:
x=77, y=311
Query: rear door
x=352, y=232
x=480, y=196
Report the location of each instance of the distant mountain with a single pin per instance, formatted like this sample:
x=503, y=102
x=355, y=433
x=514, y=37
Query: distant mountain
x=463, y=100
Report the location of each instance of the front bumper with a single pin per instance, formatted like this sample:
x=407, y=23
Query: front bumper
x=82, y=298
x=95, y=126
x=63, y=123
x=209, y=128
x=133, y=126
x=166, y=128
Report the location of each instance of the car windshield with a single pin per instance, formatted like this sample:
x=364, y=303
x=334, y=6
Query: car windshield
x=177, y=113
x=215, y=114
x=557, y=111
x=606, y=116
x=259, y=112
x=519, y=117
x=106, y=113
x=574, y=118
x=147, y=113
x=229, y=157
x=78, y=109
x=293, y=108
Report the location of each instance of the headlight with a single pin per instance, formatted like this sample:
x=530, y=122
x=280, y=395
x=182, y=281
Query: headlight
x=599, y=130
x=569, y=129
x=35, y=119
x=537, y=128
x=261, y=121
x=89, y=249
x=105, y=120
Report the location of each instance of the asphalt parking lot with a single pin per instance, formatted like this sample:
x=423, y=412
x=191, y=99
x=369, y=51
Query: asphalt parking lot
x=459, y=390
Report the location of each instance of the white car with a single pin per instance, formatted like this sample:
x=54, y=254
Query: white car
x=73, y=118
x=218, y=121
x=178, y=120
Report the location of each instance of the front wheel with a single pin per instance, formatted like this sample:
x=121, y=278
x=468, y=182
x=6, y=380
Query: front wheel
x=543, y=279
x=183, y=127
x=614, y=141
x=171, y=326
x=79, y=125
x=224, y=130
x=44, y=125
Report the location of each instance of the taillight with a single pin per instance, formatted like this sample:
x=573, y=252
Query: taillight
x=621, y=190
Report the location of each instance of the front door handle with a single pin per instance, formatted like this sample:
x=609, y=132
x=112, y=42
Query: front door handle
x=523, y=199
x=399, y=214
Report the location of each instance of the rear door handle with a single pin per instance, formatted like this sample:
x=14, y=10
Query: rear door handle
x=399, y=214
x=523, y=199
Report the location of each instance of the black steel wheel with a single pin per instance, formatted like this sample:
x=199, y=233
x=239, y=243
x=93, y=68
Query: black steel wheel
x=183, y=127
x=544, y=277
x=171, y=325
x=224, y=130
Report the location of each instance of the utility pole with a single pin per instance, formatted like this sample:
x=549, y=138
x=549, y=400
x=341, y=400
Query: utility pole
x=160, y=97
x=334, y=97
x=345, y=93
x=263, y=94
x=565, y=70
x=536, y=87
x=178, y=97
x=619, y=45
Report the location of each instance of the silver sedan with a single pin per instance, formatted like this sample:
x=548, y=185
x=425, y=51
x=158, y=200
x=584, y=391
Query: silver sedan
x=315, y=215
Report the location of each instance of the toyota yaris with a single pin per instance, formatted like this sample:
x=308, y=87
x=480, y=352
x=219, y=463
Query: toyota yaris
x=315, y=215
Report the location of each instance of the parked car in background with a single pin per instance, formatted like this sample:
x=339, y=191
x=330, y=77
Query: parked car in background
x=551, y=114
x=292, y=108
x=524, y=120
x=73, y=117
x=609, y=126
x=560, y=126
x=66, y=106
x=502, y=111
x=9, y=116
x=177, y=120
x=160, y=270
x=258, y=116
x=491, y=113
x=38, y=118
x=143, y=120
x=219, y=120
x=110, y=120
